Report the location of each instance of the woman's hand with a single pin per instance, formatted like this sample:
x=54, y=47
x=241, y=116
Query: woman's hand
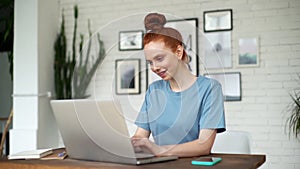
x=145, y=145
x=137, y=149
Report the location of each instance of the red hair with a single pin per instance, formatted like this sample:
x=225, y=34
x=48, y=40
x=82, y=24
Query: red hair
x=170, y=36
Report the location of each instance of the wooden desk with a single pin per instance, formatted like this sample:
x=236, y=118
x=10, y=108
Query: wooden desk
x=230, y=161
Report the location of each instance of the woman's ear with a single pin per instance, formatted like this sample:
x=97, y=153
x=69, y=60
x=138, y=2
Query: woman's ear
x=179, y=52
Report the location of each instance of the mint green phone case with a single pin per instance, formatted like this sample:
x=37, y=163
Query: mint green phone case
x=207, y=161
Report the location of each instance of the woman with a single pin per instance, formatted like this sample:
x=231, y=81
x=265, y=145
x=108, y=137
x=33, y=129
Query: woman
x=183, y=112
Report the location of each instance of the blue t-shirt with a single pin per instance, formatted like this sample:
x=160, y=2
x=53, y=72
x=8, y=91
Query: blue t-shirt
x=177, y=117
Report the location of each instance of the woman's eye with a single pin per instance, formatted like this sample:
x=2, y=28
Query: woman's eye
x=160, y=59
x=149, y=62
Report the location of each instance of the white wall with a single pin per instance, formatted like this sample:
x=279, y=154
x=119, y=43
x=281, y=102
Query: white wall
x=36, y=23
x=265, y=89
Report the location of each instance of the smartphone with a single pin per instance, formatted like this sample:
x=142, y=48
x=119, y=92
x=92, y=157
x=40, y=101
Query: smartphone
x=208, y=161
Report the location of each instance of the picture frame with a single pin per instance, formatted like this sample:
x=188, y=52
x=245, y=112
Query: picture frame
x=217, y=50
x=131, y=40
x=188, y=28
x=231, y=84
x=127, y=76
x=248, y=52
x=217, y=20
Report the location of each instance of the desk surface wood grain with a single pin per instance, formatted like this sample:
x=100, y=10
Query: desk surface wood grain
x=230, y=161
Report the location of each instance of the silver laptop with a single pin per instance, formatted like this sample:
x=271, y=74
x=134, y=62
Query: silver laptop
x=97, y=131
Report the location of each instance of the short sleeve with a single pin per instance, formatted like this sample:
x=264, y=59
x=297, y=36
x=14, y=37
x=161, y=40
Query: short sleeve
x=142, y=118
x=212, y=116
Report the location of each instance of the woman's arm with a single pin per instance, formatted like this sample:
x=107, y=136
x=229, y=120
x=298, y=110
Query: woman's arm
x=201, y=146
x=141, y=133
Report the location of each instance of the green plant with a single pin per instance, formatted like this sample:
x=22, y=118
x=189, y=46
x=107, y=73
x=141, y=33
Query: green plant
x=67, y=72
x=6, y=36
x=293, y=121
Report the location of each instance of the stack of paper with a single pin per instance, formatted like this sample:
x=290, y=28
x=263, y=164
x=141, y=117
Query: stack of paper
x=31, y=154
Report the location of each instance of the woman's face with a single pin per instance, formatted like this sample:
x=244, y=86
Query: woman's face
x=162, y=60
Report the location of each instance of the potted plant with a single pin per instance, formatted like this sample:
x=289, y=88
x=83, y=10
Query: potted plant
x=72, y=77
x=6, y=31
x=293, y=121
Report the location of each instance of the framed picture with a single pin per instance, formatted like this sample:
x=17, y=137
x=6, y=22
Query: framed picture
x=217, y=52
x=189, y=31
x=130, y=40
x=217, y=20
x=231, y=84
x=127, y=76
x=248, y=54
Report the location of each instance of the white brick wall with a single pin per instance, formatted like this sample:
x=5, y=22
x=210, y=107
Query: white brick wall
x=265, y=89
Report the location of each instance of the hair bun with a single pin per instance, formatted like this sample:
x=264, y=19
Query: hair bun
x=154, y=21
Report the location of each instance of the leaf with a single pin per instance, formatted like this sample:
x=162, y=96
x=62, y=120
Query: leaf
x=293, y=121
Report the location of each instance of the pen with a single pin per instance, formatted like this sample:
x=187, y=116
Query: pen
x=61, y=154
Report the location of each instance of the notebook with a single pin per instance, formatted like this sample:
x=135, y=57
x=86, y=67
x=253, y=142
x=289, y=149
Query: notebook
x=96, y=130
x=30, y=154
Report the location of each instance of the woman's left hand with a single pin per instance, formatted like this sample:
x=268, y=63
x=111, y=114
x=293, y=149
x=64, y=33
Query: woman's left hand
x=148, y=146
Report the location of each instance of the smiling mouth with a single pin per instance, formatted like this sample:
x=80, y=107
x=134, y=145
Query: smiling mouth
x=162, y=74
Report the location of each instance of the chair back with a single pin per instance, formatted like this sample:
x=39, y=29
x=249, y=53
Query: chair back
x=233, y=142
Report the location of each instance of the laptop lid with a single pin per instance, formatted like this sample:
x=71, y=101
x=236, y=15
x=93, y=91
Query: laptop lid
x=96, y=130
x=93, y=130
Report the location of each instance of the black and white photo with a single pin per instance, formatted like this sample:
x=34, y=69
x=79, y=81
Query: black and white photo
x=131, y=40
x=128, y=76
x=217, y=20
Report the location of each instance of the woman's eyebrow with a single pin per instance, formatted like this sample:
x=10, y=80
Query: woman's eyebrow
x=158, y=55
x=155, y=57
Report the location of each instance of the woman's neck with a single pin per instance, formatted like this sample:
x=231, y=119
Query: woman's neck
x=182, y=80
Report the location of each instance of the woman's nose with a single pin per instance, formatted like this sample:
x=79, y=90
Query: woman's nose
x=155, y=67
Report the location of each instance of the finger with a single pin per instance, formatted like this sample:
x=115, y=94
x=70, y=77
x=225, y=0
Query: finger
x=137, y=149
x=136, y=139
x=138, y=144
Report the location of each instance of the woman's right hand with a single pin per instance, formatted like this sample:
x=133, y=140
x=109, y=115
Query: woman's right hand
x=137, y=149
x=147, y=146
